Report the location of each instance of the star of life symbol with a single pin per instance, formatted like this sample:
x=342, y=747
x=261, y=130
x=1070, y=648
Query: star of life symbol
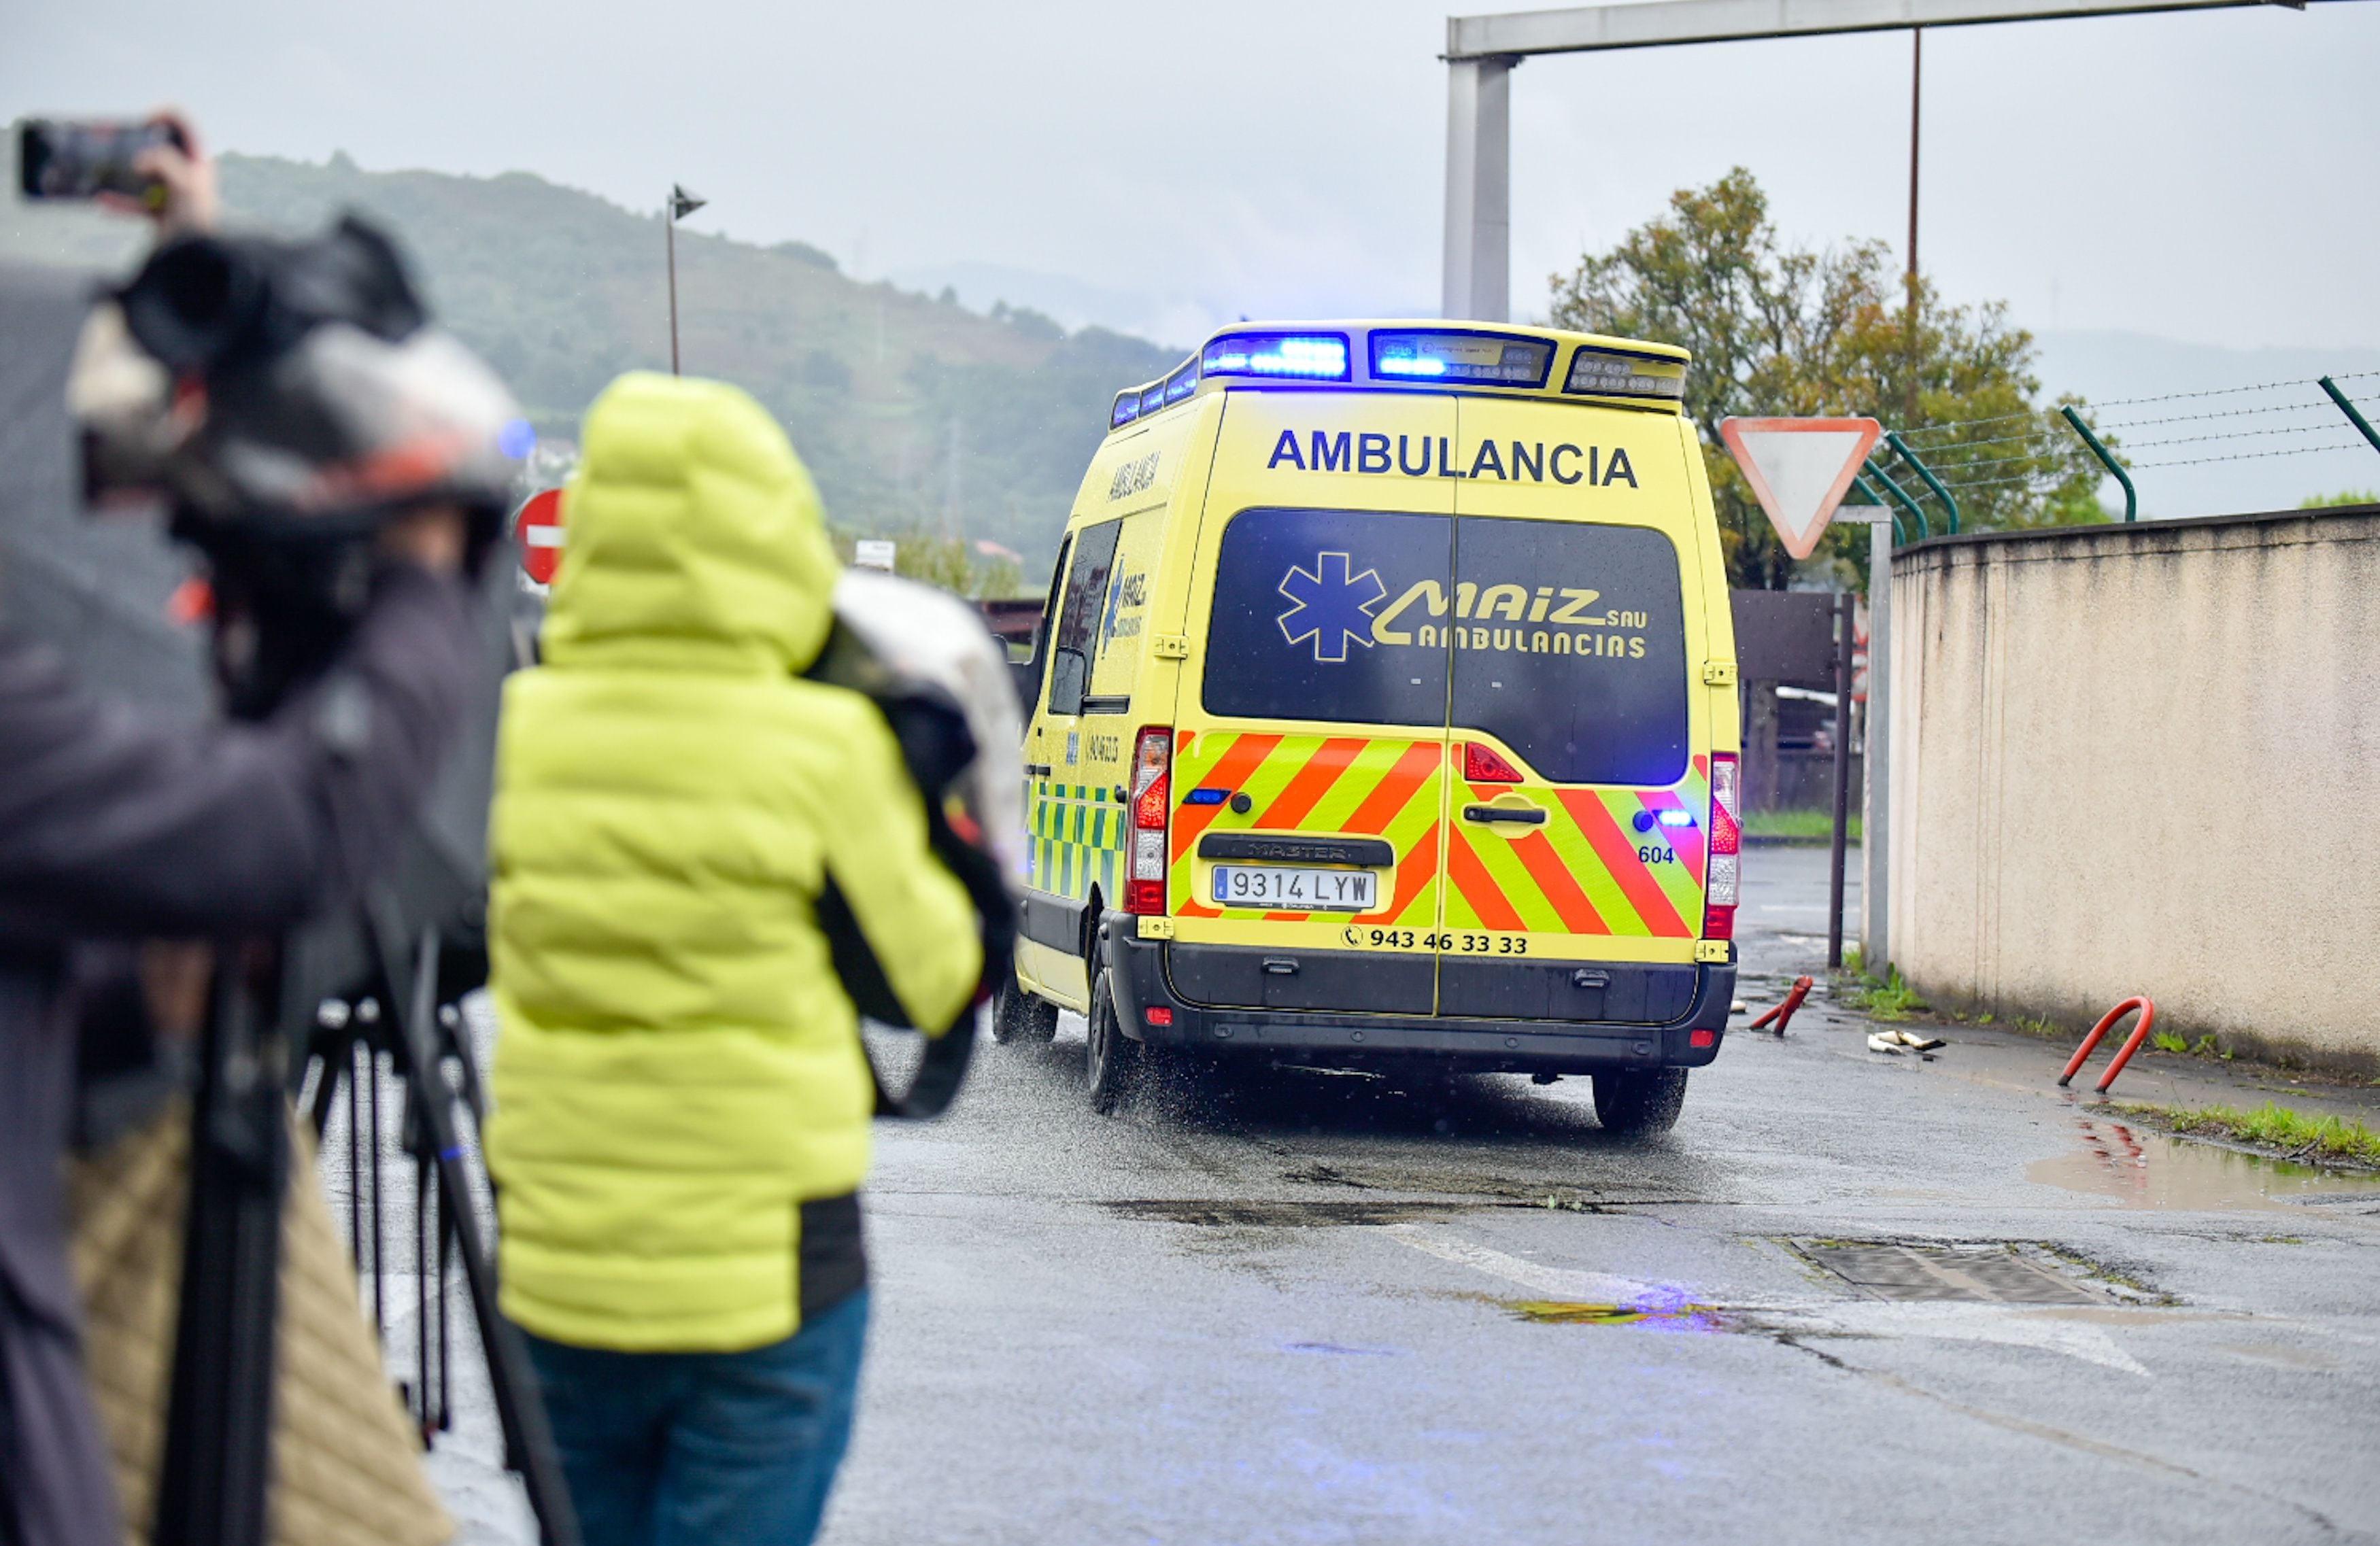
x=1332, y=606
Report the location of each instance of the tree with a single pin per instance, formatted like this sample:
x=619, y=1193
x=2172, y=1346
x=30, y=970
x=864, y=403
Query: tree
x=1786, y=331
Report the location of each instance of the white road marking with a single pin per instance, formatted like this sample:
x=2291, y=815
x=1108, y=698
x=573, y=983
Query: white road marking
x=2046, y=1328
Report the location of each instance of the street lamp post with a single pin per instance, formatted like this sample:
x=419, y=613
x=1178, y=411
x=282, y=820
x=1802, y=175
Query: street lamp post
x=681, y=204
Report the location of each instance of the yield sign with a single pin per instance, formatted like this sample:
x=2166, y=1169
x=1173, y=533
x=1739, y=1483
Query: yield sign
x=1799, y=469
x=539, y=530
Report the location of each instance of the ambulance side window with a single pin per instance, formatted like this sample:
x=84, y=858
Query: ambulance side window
x=1077, y=637
x=1028, y=685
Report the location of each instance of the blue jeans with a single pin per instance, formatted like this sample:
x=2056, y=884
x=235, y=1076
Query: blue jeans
x=706, y=1449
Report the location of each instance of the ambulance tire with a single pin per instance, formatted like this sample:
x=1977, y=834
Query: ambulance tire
x=1020, y=1016
x=1640, y=1102
x=1110, y=1059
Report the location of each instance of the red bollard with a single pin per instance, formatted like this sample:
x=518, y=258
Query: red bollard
x=1783, y=1014
x=2140, y=1034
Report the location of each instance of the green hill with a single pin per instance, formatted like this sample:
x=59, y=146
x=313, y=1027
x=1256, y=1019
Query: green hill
x=910, y=411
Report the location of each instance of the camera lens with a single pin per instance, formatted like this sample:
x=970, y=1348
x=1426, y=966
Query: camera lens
x=194, y=301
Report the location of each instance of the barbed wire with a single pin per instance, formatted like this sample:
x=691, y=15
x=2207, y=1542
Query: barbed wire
x=2219, y=413
x=1969, y=423
x=2041, y=433
x=2331, y=423
x=2229, y=391
x=2253, y=455
x=1937, y=437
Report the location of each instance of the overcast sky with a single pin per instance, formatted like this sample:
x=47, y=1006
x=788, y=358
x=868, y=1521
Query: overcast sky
x=2202, y=178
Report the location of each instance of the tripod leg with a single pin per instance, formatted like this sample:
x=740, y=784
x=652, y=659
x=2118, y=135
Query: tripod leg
x=467, y=1053
x=380, y=1253
x=445, y=1335
x=212, y=1485
x=529, y=1439
x=422, y=1289
x=355, y=1161
x=327, y=1094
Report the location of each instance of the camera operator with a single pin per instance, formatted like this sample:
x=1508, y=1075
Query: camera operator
x=119, y=825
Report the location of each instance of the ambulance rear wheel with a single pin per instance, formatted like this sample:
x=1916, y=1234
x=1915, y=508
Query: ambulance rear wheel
x=1018, y=1016
x=1111, y=1060
x=1640, y=1102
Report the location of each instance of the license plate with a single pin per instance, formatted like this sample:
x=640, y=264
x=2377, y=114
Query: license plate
x=1287, y=890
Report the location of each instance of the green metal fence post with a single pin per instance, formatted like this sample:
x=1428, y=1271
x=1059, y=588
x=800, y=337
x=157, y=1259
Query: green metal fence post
x=2347, y=407
x=2107, y=459
x=1861, y=477
x=1900, y=497
x=1893, y=438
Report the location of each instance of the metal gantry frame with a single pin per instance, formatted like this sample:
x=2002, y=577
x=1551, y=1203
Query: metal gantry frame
x=1482, y=50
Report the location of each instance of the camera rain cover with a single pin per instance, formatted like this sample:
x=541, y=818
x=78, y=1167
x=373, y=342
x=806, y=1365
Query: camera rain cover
x=321, y=395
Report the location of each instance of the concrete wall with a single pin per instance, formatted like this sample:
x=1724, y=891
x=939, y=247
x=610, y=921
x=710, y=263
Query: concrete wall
x=2145, y=759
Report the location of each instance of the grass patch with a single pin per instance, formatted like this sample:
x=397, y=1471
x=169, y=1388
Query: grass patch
x=2291, y=1134
x=1889, y=999
x=1818, y=825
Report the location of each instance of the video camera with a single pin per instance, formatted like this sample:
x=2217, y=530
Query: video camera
x=291, y=398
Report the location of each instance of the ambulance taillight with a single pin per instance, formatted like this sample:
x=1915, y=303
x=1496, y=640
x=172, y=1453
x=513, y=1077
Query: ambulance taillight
x=1726, y=848
x=1153, y=800
x=1485, y=765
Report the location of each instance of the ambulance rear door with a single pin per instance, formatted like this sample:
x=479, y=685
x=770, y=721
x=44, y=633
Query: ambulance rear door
x=1309, y=769
x=1579, y=741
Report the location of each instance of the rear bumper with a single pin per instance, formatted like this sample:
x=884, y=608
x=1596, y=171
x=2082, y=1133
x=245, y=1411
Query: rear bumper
x=1139, y=981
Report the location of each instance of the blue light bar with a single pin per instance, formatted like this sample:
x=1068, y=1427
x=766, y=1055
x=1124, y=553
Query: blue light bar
x=1127, y=408
x=1673, y=817
x=1183, y=383
x=1306, y=356
x=1462, y=355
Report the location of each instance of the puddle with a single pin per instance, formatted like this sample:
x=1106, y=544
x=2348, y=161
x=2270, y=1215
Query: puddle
x=1231, y=1214
x=1680, y=1317
x=2141, y=1168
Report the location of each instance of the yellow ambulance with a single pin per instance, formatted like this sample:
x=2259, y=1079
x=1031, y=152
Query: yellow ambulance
x=1383, y=715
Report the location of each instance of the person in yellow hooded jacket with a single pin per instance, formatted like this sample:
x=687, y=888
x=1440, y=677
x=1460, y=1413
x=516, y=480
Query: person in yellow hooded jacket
x=681, y=1101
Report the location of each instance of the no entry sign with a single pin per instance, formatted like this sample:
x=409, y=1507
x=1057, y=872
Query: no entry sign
x=538, y=528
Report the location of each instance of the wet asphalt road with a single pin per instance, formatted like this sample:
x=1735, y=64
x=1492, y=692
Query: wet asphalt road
x=1290, y=1307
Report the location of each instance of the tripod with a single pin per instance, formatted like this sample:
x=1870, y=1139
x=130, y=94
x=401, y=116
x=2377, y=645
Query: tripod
x=214, y=1482
x=409, y=1014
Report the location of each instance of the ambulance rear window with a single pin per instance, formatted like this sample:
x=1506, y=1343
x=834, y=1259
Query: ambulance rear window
x=1575, y=650
x=1324, y=614
x=1564, y=640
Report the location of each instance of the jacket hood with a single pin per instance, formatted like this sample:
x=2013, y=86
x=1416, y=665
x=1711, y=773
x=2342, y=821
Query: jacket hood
x=695, y=537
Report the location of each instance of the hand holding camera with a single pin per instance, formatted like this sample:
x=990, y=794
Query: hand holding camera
x=153, y=168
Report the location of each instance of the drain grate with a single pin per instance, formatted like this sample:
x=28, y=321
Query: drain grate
x=2001, y=1272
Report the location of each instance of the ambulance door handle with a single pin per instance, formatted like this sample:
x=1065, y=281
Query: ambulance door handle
x=1535, y=816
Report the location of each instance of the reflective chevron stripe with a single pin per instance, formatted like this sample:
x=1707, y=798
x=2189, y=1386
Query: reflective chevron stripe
x=1379, y=786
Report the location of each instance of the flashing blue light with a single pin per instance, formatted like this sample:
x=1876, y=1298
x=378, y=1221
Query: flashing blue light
x=1311, y=358
x=1127, y=408
x=516, y=439
x=1675, y=818
x=1204, y=797
x=1462, y=355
